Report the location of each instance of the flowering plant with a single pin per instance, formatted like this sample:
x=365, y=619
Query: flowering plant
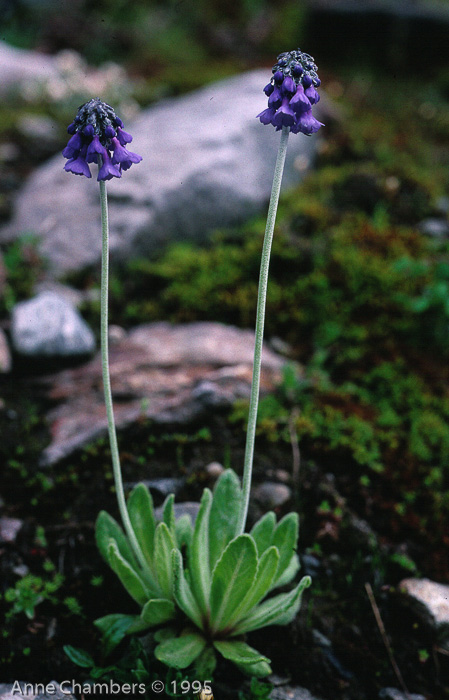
x=204, y=585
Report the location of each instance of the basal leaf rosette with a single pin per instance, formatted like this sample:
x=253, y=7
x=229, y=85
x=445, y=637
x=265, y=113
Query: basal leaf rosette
x=204, y=587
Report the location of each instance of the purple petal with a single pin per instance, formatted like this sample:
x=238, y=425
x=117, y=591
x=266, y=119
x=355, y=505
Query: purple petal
x=268, y=89
x=278, y=76
x=77, y=166
x=75, y=142
x=312, y=95
x=266, y=116
x=124, y=137
x=288, y=86
x=121, y=154
x=307, y=124
x=71, y=128
x=284, y=116
x=275, y=99
x=108, y=170
x=95, y=149
x=307, y=81
x=299, y=102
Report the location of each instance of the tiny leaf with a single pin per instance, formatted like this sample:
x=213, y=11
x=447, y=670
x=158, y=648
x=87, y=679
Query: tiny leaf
x=180, y=652
x=224, y=513
x=127, y=575
x=141, y=513
x=199, y=554
x=79, y=656
x=164, y=544
x=266, y=572
x=107, y=528
x=183, y=592
x=285, y=538
x=262, y=532
x=235, y=572
x=168, y=513
x=113, y=628
x=240, y=653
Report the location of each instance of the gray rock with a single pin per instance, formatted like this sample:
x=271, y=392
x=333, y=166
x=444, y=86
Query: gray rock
x=394, y=694
x=289, y=692
x=189, y=508
x=436, y=228
x=21, y=690
x=18, y=66
x=430, y=601
x=154, y=373
x=49, y=326
x=5, y=355
x=208, y=163
x=9, y=527
x=272, y=495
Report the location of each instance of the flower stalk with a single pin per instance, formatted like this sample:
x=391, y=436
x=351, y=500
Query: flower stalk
x=259, y=331
x=106, y=376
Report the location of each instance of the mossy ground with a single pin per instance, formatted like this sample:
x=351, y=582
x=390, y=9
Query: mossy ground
x=361, y=297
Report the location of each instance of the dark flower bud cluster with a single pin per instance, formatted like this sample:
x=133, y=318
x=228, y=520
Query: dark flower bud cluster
x=292, y=92
x=97, y=136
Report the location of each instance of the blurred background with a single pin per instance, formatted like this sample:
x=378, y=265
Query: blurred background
x=358, y=298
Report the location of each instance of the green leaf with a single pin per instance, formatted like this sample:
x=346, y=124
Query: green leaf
x=205, y=664
x=130, y=579
x=157, y=611
x=289, y=573
x=164, y=544
x=168, y=513
x=266, y=572
x=259, y=670
x=240, y=653
x=199, y=554
x=263, y=531
x=141, y=513
x=180, y=652
x=183, y=593
x=184, y=531
x=107, y=528
x=285, y=538
x=224, y=513
x=79, y=656
x=113, y=628
x=235, y=572
x=279, y=610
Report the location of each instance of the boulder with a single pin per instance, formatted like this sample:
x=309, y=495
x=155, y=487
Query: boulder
x=20, y=65
x=207, y=163
x=48, y=326
x=170, y=374
x=430, y=601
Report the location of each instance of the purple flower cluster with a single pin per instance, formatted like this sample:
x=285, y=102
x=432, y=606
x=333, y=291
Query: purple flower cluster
x=291, y=93
x=97, y=136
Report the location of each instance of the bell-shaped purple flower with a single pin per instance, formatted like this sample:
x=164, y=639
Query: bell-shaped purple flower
x=122, y=155
x=291, y=92
x=108, y=170
x=284, y=116
x=275, y=99
x=97, y=136
x=78, y=166
x=307, y=124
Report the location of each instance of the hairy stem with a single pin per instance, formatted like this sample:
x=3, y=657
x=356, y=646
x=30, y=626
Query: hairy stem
x=260, y=321
x=106, y=378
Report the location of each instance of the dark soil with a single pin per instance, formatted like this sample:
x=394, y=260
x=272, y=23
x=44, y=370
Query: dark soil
x=349, y=538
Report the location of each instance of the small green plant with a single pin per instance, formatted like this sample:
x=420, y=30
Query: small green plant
x=203, y=584
x=29, y=592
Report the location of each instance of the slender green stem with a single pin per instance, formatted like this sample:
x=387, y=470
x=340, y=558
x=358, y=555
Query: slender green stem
x=106, y=378
x=260, y=321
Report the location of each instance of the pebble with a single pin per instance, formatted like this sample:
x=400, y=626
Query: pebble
x=272, y=495
x=430, y=602
x=394, y=694
x=9, y=527
x=49, y=326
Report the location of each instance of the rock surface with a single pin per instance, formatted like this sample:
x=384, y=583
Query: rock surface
x=208, y=163
x=19, y=65
x=170, y=374
x=430, y=601
x=394, y=694
x=5, y=355
x=288, y=692
x=49, y=326
x=22, y=691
